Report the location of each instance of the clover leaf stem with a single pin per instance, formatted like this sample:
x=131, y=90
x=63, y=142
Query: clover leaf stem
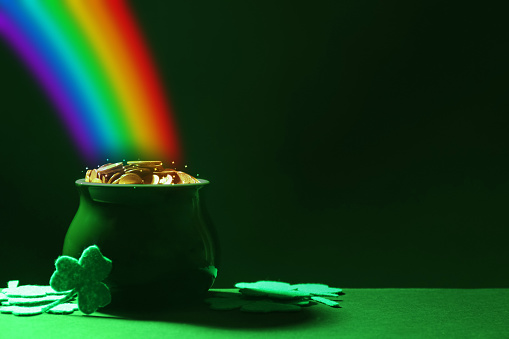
x=62, y=300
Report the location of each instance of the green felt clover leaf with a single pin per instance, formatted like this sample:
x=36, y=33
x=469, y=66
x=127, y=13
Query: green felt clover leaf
x=265, y=285
x=301, y=294
x=325, y=301
x=84, y=278
x=21, y=310
x=29, y=291
x=318, y=289
x=28, y=300
x=272, y=289
x=66, y=308
x=34, y=301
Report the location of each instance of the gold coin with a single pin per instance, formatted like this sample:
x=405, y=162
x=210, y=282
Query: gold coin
x=110, y=168
x=103, y=177
x=152, y=163
x=165, y=172
x=128, y=167
x=130, y=179
x=87, y=176
x=186, y=178
x=93, y=175
x=150, y=179
x=104, y=165
x=97, y=181
x=141, y=171
x=114, y=177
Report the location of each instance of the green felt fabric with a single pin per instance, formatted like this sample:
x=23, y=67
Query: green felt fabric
x=365, y=313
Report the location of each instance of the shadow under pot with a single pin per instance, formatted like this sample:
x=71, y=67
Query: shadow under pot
x=162, y=245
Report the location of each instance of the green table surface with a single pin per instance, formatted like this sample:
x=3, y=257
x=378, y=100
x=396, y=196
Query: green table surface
x=364, y=313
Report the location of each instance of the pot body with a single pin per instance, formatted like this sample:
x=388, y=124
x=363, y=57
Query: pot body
x=157, y=237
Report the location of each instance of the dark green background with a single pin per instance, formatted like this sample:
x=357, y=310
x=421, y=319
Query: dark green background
x=354, y=143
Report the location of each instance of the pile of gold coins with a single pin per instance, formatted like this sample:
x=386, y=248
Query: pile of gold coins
x=138, y=172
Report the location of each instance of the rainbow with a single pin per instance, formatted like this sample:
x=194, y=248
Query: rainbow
x=91, y=60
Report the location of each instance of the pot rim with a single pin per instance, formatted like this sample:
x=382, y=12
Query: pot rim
x=82, y=182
